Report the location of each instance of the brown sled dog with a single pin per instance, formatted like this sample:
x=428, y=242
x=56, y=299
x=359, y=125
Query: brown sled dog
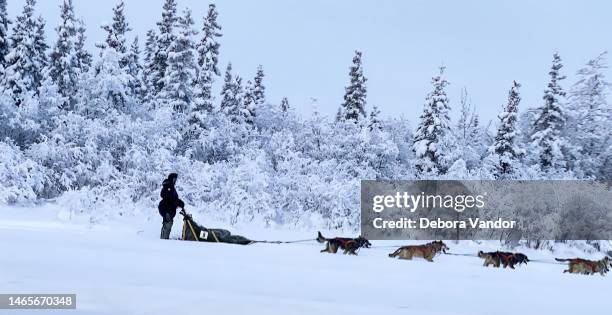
x=427, y=251
x=491, y=258
x=348, y=245
x=586, y=267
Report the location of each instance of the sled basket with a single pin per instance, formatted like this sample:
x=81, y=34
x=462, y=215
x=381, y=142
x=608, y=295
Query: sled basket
x=195, y=232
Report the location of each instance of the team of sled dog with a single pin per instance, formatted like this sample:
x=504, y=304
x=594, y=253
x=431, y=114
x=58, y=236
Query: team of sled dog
x=428, y=251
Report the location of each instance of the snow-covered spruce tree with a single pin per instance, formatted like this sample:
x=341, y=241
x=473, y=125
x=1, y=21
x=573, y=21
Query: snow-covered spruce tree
x=433, y=128
x=547, y=139
x=180, y=73
x=63, y=67
x=134, y=69
x=259, y=90
x=254, y=96
x=165, y=38
x=505, y=149
x=24, y=63
x=203, y=102
x=248, y=110
x=339, y=115
x=149, y=67
x=526, y=120
x=207, y=59
x=248, y=100
x=373, y=120
x=284, y=105
x=588, y=117
x=4, y=37
x=116, y=38
x=116, y=33
x=232, y=98
x=208, y=46
x=40, y=47
x=83, y=57
x=107, y=90
x=353, y=107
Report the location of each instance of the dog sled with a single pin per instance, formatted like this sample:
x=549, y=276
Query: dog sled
x=195, y=232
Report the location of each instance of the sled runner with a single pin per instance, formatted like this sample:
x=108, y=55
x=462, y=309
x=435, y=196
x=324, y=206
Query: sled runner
x=195, y=232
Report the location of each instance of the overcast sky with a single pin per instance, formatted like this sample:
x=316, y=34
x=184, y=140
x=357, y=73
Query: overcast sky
x=306, y=46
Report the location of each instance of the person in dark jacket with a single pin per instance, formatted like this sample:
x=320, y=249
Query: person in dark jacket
x=167, y=206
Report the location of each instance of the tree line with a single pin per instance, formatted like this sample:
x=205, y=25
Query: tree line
x=100, y=129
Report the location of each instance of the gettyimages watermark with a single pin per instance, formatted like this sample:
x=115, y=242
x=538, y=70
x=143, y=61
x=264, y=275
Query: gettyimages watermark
x=486, y=209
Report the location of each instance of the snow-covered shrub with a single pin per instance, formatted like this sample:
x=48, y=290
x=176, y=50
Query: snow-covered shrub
x=20, y=124
x=22, y=179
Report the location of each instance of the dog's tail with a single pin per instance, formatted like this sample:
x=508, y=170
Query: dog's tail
x=562, y=259
x=320, y=238
x=395, y=253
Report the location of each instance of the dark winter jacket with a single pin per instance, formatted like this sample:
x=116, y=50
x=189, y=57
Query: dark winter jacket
x=170, y=200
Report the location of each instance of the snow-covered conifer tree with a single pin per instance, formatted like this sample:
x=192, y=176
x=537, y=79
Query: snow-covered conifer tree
x=232, y=101
x=63, y=67
x=373, y=119
x=433, y=127
x=259, y=90
x=505, y=147
x=116, y=33
x=134, y=69
x=83, y=57
x=165, y=38
x=208, y=46
x=40, y=47
x=249, y=106
x=248, y=98
x=108, y=90
x=284, y=105
x=547, y=138
x=4, y=36
x=254, y=95
x=180, y=73
x=589, y=126
x=208, y=58
x=26, y=59
x=353, y=107
x=203, y=101
x=149, y=68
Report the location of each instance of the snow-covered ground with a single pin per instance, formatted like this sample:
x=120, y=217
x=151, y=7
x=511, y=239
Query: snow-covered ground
x=121, y=267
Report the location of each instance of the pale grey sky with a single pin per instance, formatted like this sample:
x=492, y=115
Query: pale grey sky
x=306, y=47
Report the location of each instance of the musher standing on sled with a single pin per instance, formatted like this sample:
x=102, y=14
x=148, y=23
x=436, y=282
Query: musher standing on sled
x=167, y=206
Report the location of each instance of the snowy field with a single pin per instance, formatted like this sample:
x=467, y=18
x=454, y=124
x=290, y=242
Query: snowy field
x=123, y=268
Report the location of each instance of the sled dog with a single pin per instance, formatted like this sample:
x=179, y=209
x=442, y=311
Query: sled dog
x=490, y=258
x=520, y=258
x=348, y=245
x=586, y=267
x=511, y=259
x=505, y=259
x=427, y=251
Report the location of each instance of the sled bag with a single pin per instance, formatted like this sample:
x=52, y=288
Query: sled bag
x=203, y=234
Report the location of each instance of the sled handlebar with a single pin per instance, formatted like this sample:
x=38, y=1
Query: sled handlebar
x=184, y=213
